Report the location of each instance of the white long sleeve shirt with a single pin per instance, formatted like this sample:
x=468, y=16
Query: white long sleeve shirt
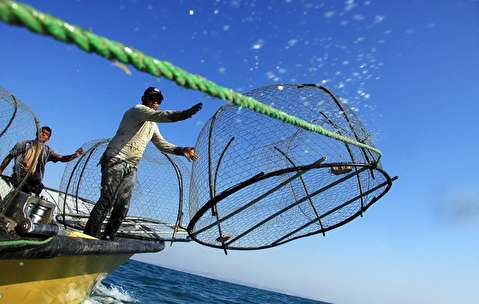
x=137, y=128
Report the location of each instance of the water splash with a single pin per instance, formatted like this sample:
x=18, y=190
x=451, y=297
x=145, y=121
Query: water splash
x=109, y=294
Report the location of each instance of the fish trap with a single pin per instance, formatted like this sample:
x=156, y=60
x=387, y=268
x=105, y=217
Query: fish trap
x=17, y=123
x=260, y=182
x=157, y=203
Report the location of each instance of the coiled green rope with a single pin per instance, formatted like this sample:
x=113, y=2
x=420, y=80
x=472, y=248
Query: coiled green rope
x=15, y=13
x=24, y=242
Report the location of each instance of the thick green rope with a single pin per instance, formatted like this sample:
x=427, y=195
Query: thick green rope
x=15, y=13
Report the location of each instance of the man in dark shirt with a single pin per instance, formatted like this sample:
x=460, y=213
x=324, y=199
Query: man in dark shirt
x=30, y=158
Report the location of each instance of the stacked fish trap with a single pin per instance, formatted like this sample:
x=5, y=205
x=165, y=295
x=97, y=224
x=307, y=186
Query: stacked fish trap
x=17, y=123
x=157, y=203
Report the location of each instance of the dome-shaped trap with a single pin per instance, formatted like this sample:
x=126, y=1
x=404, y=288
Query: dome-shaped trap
x=261, y=182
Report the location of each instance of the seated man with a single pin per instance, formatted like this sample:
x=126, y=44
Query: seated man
x=30, y=159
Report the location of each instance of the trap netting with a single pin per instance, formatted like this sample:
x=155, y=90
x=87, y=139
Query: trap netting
x=260, y=182
x=157, y=203
x=17, y=123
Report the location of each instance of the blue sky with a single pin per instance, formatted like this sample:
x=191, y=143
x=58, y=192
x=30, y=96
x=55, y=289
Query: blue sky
x=408, y=67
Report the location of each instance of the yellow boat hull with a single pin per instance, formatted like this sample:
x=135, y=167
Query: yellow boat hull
x=63, y=279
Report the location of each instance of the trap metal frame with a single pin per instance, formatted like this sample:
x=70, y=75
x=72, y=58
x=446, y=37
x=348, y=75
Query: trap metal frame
x=225, y=219
x=80, y=188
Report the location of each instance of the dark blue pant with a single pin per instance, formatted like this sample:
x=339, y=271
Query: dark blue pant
x=31, y=185
x=117, y=182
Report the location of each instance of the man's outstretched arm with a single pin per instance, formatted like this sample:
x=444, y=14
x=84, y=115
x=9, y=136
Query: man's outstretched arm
x=167, y=147
x=147, y=114
x=163, y=145
x=18, y=149
x=5, y=163
x=66, y=158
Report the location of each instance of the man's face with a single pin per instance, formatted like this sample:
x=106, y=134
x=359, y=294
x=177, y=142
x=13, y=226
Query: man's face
x=153, y=103
x=44, y=136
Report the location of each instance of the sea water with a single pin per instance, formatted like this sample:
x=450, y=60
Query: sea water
x=137, y=282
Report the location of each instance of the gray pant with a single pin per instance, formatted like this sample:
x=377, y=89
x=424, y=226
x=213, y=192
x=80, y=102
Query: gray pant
x=117, y=181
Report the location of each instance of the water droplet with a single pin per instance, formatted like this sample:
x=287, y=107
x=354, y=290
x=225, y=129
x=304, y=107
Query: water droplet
x=328, y=14
x=258, y=45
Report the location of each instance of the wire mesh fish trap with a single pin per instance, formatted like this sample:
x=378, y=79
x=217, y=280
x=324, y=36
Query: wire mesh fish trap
x=17, y=123
x=157, y=203
x=261, y=183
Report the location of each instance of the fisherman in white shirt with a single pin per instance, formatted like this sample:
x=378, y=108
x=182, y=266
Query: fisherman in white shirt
x=120, y=159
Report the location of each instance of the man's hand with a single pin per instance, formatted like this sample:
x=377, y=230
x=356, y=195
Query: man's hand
x=190, y=153
x=79, y=152
x=185, y=114
x=193, y=110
